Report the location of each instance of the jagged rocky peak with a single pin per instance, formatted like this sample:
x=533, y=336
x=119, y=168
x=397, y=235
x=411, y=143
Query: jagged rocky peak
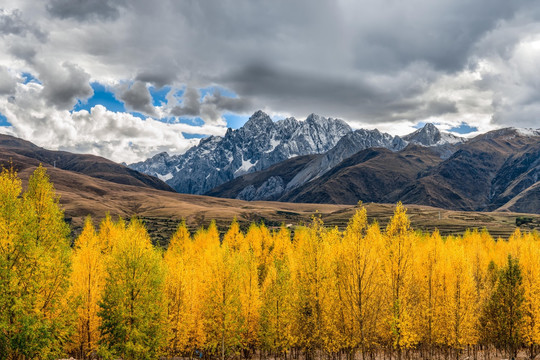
x=315, y=118
x=324, y=122
x=257, y=120
x=287, y=125
x=257, y=145
x=430, y=135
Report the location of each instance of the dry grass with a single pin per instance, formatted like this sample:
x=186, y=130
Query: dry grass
x=82, y=195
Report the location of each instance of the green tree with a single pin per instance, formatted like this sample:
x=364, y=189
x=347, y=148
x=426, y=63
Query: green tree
x=35, y=267
x=132, y=307
x=503, y=314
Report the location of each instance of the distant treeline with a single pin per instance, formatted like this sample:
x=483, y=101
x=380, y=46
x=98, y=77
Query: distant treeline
x=320, y=293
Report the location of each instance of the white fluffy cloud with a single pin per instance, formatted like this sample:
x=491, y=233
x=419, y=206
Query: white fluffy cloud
x=118, y=136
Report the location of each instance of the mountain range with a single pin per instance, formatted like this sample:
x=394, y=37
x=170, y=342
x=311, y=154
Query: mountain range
x=257, y=145
x=91, y=185
x=261, y=143
x=322, y=160
x=498, y=170
x=25, y=153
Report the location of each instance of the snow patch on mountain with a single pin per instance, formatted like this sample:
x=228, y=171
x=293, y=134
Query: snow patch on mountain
x=165, y=177
x=528, y=131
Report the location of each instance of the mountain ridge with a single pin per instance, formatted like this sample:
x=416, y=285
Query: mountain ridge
x=261, y=143
x=91, y=165
x=488, y=172
x=257, y=145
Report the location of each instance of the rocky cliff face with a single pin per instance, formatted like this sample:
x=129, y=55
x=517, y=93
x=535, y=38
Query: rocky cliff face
x=276, y=186
x=257, y=145
x=261, y=143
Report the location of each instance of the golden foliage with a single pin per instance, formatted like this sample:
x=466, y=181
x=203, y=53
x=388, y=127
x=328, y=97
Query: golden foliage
x=261, y=292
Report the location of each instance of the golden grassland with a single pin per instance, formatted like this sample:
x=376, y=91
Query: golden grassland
x=161, y=211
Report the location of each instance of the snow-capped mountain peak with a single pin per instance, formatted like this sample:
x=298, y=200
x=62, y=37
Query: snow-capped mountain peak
x=258, y=121
x=257, y=145
x=430, y=135
x=262, y=142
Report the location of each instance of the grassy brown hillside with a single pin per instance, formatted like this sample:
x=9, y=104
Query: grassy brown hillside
x=91, y=165
x=374, y=174
x=162, y=211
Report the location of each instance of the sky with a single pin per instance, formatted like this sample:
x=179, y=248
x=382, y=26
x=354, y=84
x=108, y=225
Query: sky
x=127, y=79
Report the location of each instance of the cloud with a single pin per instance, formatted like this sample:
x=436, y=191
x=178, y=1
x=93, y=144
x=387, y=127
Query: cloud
x=136, y=97
x=370, y=97
x=114, y=135
x=84, y=10
x=23, y=52
x=12, y=23
x=64, y=85
x=158, y=77
x=7, y=82
x=210, y=107
x=191, y=105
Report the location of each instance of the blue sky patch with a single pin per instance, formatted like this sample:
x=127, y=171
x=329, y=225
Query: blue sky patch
x=464, y=128
x=159, y=95
x=139, y=115
x=102, y=96
x=197, y=121
x=235, y=121
x=4, y=121
x=193, y=136
x=29, y=78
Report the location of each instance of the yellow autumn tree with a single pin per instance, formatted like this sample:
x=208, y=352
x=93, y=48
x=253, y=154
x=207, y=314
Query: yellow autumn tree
x=35, y=316
x=234, y=238
x=87, y=283
x=249, y=255
x=310, y=268
x=398, y=261
x=223, y=309
x=430, y=255
x=277, y=299
x=177, y=289
x=529, y=259
x=457, y=313
x=359, y=283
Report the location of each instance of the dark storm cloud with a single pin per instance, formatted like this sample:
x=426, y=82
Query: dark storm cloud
x=298, y=62
x=84, y=10
x=137, y=98
x=211, y=106
x=348, y=96
x=191, y=105
x=12, y=23
x=157, y=78
x=441, y=107
x=64, y=85
x=225, y=103
x=24, y=52
x=439, y=33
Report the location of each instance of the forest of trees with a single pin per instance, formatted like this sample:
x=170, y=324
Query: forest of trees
x=364, y=293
